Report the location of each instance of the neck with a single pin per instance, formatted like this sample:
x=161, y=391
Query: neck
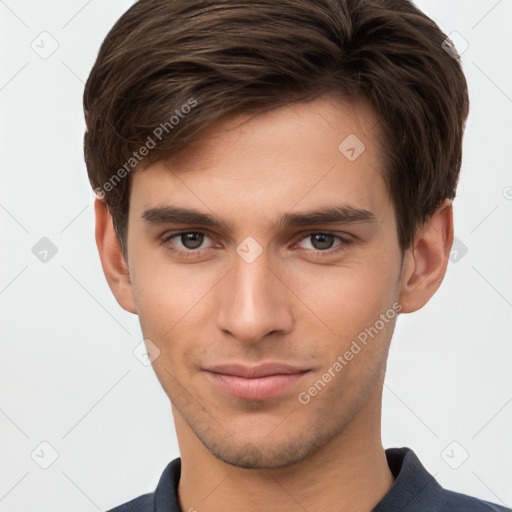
x=349, y=474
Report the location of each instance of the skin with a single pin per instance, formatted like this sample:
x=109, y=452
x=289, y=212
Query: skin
x=287, y=306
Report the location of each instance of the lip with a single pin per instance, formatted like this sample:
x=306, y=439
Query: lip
x=259, y=382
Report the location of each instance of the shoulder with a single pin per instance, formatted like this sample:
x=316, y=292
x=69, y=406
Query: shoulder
x=144, y=503
x=454, y=502
x=416, y=490
x=165, y=496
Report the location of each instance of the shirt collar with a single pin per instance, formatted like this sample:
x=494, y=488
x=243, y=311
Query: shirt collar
x=414, y=486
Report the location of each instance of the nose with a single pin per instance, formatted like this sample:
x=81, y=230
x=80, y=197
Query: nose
x=254, y=302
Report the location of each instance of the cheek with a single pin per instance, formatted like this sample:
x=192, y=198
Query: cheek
x=174, y=305
x=346, y=299
x=346, y=304
x=167, y=295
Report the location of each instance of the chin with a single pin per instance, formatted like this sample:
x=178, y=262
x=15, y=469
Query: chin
x=265, y=453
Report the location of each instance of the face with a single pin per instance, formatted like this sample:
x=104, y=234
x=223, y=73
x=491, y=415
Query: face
x=273, y=322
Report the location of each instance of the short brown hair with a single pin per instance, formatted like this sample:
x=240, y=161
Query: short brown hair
x=224, y=57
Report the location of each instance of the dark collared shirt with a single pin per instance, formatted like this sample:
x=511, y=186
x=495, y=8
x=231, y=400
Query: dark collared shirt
x=414, y=490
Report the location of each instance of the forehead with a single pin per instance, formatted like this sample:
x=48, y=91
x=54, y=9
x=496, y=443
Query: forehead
x=300, y=156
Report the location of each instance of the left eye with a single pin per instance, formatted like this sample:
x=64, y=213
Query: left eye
x=321, y=241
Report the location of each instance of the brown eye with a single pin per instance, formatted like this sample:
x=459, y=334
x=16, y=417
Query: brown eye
x=192, y=239
x=189, y=243
x=319, y=244
x=321, y=241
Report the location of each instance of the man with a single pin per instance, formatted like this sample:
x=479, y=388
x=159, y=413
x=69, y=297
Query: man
x=274, y=185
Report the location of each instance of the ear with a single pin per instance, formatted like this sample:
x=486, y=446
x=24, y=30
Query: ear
x=425, y=262
x=113, y=262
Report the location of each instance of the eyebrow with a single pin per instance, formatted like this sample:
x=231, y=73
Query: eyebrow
x=326, y=215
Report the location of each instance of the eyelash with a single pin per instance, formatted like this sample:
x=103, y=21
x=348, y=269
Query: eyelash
x=315, y=253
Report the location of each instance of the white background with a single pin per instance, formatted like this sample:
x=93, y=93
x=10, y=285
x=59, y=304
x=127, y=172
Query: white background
x=68, y=375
